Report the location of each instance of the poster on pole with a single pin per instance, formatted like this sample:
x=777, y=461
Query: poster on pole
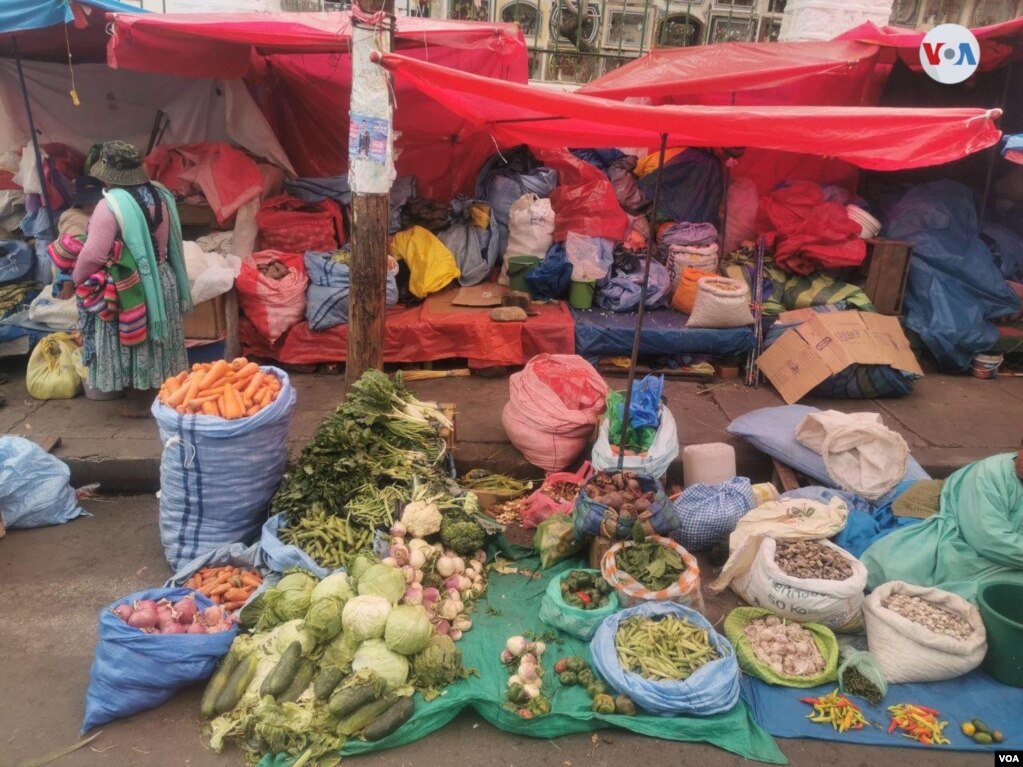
x=367, y=139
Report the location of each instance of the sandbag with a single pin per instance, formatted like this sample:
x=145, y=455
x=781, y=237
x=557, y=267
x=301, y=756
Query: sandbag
x=860, y=453
x=280, y=557
x=294, y=226
x=530, y=227
x=553, y=406
x=593, y=518
x=273, y=306
x=35, y=487
x=707, y=513
x=52, y=371
x=720, y=303
x=703, y=258
x=712, y=689
x=684, y=297
x=757, y=580
x=431, y=264
x=685, y=591
x=329, y=287
x=133, y=671
x=823, y=638
x=541, y=504
x=657, y=459
x=582, y=624
x=504, y=178
x=909, y=652
x=217, y=476
x=791, y=519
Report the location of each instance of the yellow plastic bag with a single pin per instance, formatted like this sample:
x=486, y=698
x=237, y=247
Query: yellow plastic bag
x=431, y=264
x=53, y=368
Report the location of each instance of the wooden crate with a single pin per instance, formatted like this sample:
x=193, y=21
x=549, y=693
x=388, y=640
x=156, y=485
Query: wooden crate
x=887, y=267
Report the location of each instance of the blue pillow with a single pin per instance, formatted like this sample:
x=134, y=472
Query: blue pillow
x=772, y=430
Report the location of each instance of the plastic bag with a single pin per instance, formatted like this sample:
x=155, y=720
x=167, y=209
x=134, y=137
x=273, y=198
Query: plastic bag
x=867, y=665
x=743, y=203
x=294, y=226
x=632, y=199
x=35, y=487
x=907, y=651
x=530, y=227
x=541, y=504
x=720, y=303
x=431, y=264
x=551, y=278
x=591, y=257
x=655, y=461
x=133, y=671
x=53, y=368
x=707, y=513
x=592, y=518
x=711, y=689
x=472, y=242
x=684, y=297
x=554, y=404
x=209, y=274
x=623, y=291
x=55, y=313
x=554, y=540
x=237, y=554
x=217, y=477
x=685, y=591
x=590, y=208
x=582, y=624
x=750, y=662
x=17, y=260
x=273, y=306
x=329, y=288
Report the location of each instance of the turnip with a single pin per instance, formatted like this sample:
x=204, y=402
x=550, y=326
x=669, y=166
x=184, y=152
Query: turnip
x=451, y=584
x=454, y=594
x=532, y=690
x=417, y=558
x=530, y=674
x=462, y=623
x=142, y=619
x=173, y=628
x=443, y=628
x=430, y=595
x=481, y=557
x=164, y=613
x=478, y=588
x=196, y=628
x=516, y=679
x=539, y=648
x=445, y=566
x=516, y=645
x=418, y=578
x=507, y=658
x=212, y=615
x=145, y=604
x=400, y=554
x=449, y=609
x=390, y=561
x=413, y=594
x=455, y=635
x=398, y=530
x=409, y=573
x=418, y=544
x=123, y=612
x=464, y=584
x=459, y=565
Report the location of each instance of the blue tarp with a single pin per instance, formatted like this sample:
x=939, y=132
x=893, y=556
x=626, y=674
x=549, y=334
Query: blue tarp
x=26, y=15
x=607, y=334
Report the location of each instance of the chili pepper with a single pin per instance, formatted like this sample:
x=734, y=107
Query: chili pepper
x=837, y=710
x=918, y=723
x=584, y=597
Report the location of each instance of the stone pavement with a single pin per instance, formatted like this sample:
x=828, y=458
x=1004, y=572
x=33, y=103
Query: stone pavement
x=948, y=421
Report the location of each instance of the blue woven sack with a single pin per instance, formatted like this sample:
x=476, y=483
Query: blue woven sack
x=133, y=671
x=711, y=689
x=706, y=513
x=592, y=518
x=217, y=476
x=281, y=557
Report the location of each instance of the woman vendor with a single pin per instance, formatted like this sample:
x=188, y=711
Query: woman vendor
x=977, y=535
x=134, y=245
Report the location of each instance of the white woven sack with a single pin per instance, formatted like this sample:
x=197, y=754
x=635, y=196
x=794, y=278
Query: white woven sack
x=835, y=604
x=530, y=227
x=702, y=257
x=909, y=652
x=721, y=302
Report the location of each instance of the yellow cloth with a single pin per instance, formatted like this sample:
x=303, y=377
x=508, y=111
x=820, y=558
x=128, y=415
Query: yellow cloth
x=480, y=214
x=431, y=265
x=650, y=163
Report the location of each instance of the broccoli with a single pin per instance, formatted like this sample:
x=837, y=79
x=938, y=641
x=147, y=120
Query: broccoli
x=461, y=535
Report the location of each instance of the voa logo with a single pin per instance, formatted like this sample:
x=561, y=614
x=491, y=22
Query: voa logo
x=949, y=54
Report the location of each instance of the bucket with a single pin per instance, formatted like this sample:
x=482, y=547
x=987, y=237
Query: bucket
x=708, y=464
x=985, y=366
x=1001, y=607
x=580, y=294
x=518, y=267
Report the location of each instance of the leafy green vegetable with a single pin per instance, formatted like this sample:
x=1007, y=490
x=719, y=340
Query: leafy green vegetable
x=364, y=617
x=437, y=665
x=653, y=565
x=287, y=600
x=336, y=586
x=339, y=653
x=408, y=629
x=383, y=581
x=373, y=655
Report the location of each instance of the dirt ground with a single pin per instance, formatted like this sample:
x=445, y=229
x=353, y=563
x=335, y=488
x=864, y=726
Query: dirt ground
x=69, y=573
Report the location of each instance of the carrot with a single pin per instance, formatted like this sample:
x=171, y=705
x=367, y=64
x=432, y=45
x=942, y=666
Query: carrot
x=171, y=385
x=177, y=397
x=209, y=408
x=232, y=606
x=238, y=363
x=246, y=372
x=236, y=595
x=232, y=407
x=252, y=579
x=222, y=588
x=219, y=370
x=265, y=398
x=254, y=383
x=206, y=589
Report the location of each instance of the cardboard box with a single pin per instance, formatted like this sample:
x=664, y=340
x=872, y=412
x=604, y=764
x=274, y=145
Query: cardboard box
x=208, y=320
x=829, y=343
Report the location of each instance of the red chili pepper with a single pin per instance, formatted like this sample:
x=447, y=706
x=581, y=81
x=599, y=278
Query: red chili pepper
x=585, y=598
x=811, y=701
x=891, y=727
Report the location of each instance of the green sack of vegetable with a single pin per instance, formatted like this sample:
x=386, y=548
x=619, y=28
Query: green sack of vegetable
x=749, y=661
x=554, y=540
x=576, y=621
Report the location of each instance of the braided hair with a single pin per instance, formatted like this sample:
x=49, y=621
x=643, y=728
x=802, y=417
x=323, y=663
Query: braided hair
x=152, y=209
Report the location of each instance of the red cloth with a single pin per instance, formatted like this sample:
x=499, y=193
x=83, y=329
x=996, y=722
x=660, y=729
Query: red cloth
x=585, y=200
x=293, y=225
x=227, y=177
x=809, y=233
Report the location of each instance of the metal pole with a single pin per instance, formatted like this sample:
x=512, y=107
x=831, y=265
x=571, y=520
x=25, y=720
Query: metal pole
x=651, y=249
x=35, y=138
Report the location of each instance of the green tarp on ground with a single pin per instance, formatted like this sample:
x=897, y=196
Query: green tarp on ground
x=512, y=606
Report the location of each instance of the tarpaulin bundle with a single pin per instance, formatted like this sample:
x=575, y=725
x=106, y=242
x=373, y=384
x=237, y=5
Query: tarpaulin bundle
x=585, y=200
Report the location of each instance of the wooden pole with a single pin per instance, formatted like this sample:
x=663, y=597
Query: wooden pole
x=35, y=140
x=370, y=174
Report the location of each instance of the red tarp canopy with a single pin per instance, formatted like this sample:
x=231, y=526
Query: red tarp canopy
x=296, y=65
x=807, y=73
x=874, y=138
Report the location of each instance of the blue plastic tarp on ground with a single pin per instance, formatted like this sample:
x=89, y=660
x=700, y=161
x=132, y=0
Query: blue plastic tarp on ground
x=974, y=696
x=601, y=333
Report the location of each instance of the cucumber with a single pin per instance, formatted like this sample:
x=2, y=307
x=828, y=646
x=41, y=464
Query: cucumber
x=391, y=719
x=364, y=716
x=326, y=682
x=353, y=696
x=283, y=672
x=303, y=677
x=228, y=698
x=217, y=683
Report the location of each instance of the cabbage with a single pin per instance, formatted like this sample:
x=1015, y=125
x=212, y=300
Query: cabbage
x=439, y=664
x=336, y=586
x=361, y=564
x=324, y=619
x=383, y=581
x=292, y=631
x=288, y=600
x=408, y=629
x=365, y=617
x=339, y=653
x=374, y=656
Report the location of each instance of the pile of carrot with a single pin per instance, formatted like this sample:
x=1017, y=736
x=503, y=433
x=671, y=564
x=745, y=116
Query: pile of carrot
x=224, y=389
x=228, y=586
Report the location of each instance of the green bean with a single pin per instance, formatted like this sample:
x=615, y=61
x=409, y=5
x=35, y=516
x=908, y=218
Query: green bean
x=668, y=649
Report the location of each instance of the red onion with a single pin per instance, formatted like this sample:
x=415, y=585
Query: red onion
x=443, y=627
x=173, y=628
x=185, y=609
x=196, y=628
x=142, y=619
x=145, y=604
x=123, y=612
x=219, y=627
x=211, y=615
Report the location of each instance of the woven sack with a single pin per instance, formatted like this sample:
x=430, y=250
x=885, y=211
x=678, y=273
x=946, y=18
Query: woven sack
x=707, y=513
x=909, y=652
x=592, y=518
x=681, y=257
x=720, y=303
x=823, y=638
x=684, y=298
x=685, y=591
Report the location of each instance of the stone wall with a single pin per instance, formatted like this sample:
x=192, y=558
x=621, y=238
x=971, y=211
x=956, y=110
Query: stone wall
x=823, y=19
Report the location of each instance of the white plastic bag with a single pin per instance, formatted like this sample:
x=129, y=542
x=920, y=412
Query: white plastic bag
x=591, y=257
x=55, y=313
x=209, y=274
x=530, y=227
x=663, y=450
x=860, y=453
x=909, y=652
x=835, y=604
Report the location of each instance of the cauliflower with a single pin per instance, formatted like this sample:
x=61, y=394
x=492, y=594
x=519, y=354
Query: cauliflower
x=421, y=519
